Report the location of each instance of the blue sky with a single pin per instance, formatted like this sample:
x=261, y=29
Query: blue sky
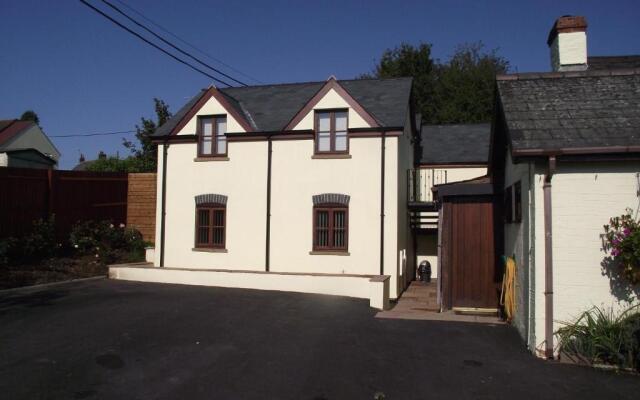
x=82, y=74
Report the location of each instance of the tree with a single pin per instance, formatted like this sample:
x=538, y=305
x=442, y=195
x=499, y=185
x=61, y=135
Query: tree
x=406, y=60
x=457, y=91
x=30, y=115
x=144, y=154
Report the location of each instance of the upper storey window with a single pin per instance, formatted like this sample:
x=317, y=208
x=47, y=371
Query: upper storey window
x=331, y=131
x=212, y=140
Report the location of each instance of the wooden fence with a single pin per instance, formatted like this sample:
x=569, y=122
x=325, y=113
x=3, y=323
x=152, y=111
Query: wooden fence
x=141, y=204
x=30, y=194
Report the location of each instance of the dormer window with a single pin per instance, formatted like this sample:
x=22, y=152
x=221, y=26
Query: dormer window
x=212, y=141
x=331, y=132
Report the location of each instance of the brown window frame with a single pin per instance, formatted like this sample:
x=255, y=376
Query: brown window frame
x=331, y=209
x=332, y=131
x=212, y=208
x=214, y=133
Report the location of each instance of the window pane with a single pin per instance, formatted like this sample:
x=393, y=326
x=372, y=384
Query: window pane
x=206, y=146
x=324, y=122
x=322, y=220
x=218, y=218
x=221, y=145
x=341, y=141
x=221, y=126
x=207, y=127
x=341, y=121
x=324, y=141
x=203, y=235
x=203, y=218
x=218, y=236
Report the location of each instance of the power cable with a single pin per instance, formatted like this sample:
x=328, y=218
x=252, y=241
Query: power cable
x=152, y=44
x=118, y=10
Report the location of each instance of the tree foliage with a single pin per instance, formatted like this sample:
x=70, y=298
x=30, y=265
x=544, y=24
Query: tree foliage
x=30, y=115
x=459, y=90
x=144, y=154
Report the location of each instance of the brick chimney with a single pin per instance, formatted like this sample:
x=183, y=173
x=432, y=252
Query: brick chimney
x=568, y=44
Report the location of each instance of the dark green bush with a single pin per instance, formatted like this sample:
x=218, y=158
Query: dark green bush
x=41, y=242
x=603, y=337
x=7, y=247
x=106, y=240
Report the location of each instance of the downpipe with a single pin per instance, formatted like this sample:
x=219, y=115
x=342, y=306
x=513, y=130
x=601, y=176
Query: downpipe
x=548, y=259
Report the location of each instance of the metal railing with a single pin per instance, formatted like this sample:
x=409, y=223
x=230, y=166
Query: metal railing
x=421, y=180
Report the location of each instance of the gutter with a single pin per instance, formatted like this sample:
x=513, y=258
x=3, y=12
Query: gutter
x=267, y=256
x=164, y=200
x=382, y=167
x=548, y=259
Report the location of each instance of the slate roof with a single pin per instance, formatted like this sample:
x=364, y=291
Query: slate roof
x=271, y=107
x=455, y=144
x=10, y=128
x=589, y=109
x=612, y=62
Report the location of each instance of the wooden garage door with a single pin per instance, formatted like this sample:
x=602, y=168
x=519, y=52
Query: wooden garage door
x=470, y=270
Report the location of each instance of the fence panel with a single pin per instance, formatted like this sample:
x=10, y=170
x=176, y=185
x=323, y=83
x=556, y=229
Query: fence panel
x=29, y=194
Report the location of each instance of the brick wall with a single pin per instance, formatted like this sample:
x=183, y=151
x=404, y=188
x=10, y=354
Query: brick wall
x=141, y=204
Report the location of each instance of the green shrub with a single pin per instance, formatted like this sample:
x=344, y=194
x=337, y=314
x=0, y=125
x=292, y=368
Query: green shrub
x=41, y=242
x=107, y=241
x=602, y=337
x=7, y=247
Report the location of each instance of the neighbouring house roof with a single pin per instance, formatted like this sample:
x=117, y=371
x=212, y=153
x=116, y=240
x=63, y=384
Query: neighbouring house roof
x=455, y=144
x=43, y=157
x=562, y=112
x=270, y=108
x=84, y=165
x=10, y=128
x=613, y=62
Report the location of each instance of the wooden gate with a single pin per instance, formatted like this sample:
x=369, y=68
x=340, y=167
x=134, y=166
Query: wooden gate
x=470, y=276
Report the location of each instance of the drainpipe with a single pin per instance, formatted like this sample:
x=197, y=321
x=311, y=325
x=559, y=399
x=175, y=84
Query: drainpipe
x=267, y=256
x=164, y=200
x=548, y=260
x=382, y=161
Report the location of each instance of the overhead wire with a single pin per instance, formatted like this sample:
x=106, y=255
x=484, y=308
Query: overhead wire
x=113, y=20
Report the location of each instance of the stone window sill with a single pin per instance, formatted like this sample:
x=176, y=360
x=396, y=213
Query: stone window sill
x=330, y=156
x=204, y=159
x=329, y=253
x=209, y=250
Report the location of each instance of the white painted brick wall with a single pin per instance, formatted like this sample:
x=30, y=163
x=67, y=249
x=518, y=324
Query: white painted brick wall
x=584, y=197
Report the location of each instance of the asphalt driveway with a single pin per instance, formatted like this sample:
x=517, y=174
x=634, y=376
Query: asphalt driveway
x=124, y=340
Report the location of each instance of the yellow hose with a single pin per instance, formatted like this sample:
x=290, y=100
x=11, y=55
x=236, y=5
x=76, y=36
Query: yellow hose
x=507, y=297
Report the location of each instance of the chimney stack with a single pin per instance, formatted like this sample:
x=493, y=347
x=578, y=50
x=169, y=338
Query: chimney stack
x=82, y=159
x=568, y=44
x=102, y=155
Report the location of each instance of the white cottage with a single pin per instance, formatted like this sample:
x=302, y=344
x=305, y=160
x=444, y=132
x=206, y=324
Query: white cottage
x=566, y=156
x=297, y=187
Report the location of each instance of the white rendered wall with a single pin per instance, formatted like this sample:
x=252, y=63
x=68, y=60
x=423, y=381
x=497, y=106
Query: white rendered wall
x=211, y=107
x=584, y=197
x=4, y=159
x=332, y=100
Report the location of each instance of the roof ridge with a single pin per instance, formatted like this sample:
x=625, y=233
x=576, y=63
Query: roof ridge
x=568, y=74
x=314, y=82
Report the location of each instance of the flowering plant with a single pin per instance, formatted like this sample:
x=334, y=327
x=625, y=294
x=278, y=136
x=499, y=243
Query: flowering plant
x=622, y=241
